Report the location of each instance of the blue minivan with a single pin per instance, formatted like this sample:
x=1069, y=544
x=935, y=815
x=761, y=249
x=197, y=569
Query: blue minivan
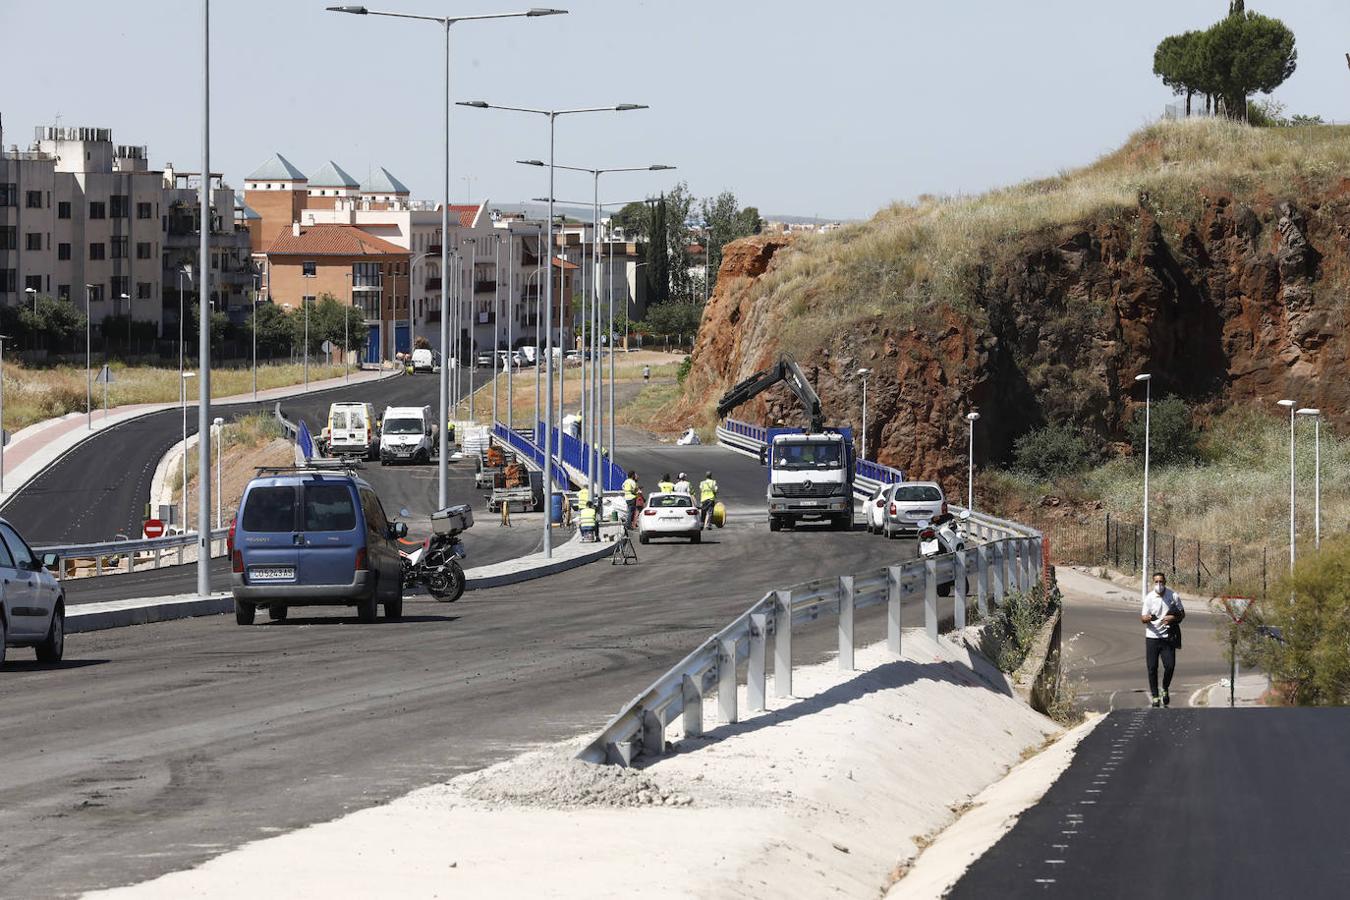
x=313, y=537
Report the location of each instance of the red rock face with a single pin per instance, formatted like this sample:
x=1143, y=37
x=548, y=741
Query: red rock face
x=1248, y=303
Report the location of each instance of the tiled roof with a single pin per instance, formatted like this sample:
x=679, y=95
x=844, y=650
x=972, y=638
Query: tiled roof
x=467, y=213
x=332, y=175
x=278, y=168
x=381, y=182
x=332, y=240
x=564, y=264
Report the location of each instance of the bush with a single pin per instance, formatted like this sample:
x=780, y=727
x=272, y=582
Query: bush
x=1052, y=451
x=1173, y=437
x=1310, y=611
x=683, y=371
x=1013, y=626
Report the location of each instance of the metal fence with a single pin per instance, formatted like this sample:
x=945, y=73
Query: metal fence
x=120, y=557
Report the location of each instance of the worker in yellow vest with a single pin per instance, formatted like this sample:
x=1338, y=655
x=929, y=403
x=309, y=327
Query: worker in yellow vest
x=707, y=495
x=630, y=492
x=583, y=497
x=665, y=485
x=587, y=520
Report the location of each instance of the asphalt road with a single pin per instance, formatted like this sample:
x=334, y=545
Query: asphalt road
x=157, y=747
x=1186, y=803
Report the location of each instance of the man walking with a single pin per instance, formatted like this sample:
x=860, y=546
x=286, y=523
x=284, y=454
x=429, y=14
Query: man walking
x=707, y=496
x=1161, y=614
x=630, y=492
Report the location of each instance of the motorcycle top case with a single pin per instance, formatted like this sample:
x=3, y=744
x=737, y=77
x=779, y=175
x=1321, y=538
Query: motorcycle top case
x=452, y=519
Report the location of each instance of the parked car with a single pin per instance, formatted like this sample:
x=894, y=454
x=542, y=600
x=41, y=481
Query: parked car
x=911, y=503
x=314, y=537
x=352, y=430
x=484, y=359
x=875, y=508
x=424, y=359
x=669, y=515
x=510, y=359
x=406, y=434
x=32, y=604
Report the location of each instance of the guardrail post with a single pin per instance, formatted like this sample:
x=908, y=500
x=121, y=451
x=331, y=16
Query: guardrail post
x=756, y=675
x=930, y=614
x=996, y=571
x=846, y=596
x=893, y=576
x=693, y=707
x=782, y=644
x=726, y=680
x=982, y=579
x=1038, y=557
x=1028, y=572
x=1014, y=566
x=959, y=589
x=653, y=734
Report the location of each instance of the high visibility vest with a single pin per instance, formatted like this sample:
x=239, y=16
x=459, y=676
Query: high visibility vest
x=588, y=517
x=583, y=497
x=630, y=490
x=666, y=487
x=707, y=489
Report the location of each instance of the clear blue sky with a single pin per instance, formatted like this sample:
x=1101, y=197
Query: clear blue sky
x=800, y=108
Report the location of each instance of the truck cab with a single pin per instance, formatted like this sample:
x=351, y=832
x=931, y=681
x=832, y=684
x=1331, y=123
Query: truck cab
x=810, y=477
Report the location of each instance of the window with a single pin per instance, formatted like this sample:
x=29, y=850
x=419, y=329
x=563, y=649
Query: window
x=34, y=282
x=33, y=240
x=96, y=250
x=23, y=557
x=95, y=292
x=121, y=284
x=9, y=237
x=329, y=507
x=376, y=523
x=97, y=210
x=8, y=280
x=918, y=493
x=270, y=509
x=143, y=211
x=119, y=247
x=307, y=269
x=33, y=199
x=308, y=300
x=9, y=194
x=6, y=560
x=63, y=251
x=119, y=206
x=365, y=275
x=63, y=292
x=63, y=209
x=143, y=249
x=143, y=290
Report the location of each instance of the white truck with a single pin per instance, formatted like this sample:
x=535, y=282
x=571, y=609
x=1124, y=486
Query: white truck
x=407, y=434
x=810, y=470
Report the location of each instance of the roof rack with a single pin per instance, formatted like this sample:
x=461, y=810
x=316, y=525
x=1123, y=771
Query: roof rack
x=315, y=465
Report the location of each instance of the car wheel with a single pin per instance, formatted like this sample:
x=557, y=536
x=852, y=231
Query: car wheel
x=278, y=612
x=54, y=644
x=368, y=609
x=696, y=538
x=642, y=537
x=244, y=612
x=3, y=636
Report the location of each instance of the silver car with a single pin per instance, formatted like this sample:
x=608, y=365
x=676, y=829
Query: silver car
x=911, y=503
x=32, y=605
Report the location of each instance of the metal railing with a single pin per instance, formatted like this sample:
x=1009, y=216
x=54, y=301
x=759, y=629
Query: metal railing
x=120, y=557
x=1003, y=565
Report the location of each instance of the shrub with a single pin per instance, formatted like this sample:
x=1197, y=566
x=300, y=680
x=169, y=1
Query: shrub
x=1052, y=451
x=1013, y=626
x=1173, y=437
x=683, y=371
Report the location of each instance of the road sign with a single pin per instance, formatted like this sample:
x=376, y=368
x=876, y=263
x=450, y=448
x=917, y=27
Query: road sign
x=154, y=528
x=105, y=376
x=1236, y=607
x=326, y=346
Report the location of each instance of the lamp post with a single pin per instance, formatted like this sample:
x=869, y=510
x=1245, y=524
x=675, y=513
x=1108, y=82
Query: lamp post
x=1147, y=379
x=218, y=424
x=254, y=317
x=863, y=373
x=443, y=468
x=552, y=115
x=88, y=373
x=971, y=417
x=204, y=320
x=126, y=297
x=1290, y=405
x=4, y=438
x=32, y=293
x=182, y=400
x=1316, y=415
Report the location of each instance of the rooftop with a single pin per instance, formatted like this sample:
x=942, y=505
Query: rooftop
x=382, y=182
x=332, y=240
x=332, y=175
x=278, y=168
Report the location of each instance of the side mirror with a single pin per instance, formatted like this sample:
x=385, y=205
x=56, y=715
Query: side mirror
x=404, y=512
x=965, y=514
x=763, y=456
x=49, y=560
x=399, y=529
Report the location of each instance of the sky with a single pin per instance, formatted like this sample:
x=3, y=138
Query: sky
x=807, y=109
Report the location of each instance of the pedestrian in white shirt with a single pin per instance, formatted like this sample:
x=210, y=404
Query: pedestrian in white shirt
x=1161, y=614
x=684, y=486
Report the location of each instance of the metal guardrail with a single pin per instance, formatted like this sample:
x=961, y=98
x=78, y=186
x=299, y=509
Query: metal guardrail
x=1006, y=564
x=109, y=557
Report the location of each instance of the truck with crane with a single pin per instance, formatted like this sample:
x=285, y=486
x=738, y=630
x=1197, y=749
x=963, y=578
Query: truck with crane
x=811, y=469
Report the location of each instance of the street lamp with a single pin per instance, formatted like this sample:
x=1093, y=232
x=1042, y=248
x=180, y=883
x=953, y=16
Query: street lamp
x=552, y=115
x=182, y=400
x=204, y=319
x=304, y=301
x=1147, y=379
x=218, y=425
x=127, y=298
x=4, y=438
x=443, y=467
x=864, y=372
x=972, y=417
x=32, y=292
x=1290, y=405
x=88, y=373
x=1316, y=415
x=254, y=317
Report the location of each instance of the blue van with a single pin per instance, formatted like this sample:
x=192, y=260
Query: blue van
x=314, y=537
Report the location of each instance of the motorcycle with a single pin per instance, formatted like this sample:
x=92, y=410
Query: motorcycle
x=435, y=563
x=943, y=534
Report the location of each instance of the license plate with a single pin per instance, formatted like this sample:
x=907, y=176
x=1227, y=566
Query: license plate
x=810, y=503
x=272, y=573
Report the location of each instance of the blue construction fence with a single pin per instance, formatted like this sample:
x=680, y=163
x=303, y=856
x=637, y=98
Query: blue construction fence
x=578, y=454
x=864, y=468
x=745, y=429
x=528, y=449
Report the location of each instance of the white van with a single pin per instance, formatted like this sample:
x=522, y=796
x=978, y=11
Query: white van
x=423, y=360
x=352, y=430
x=406, y=434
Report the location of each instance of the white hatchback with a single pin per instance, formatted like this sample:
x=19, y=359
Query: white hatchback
x=875, y=508
x=670, y=515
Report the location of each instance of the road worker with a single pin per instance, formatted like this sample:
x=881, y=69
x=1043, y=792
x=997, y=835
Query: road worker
x=630, y=492
x=587, y=520
x=583, y=497
x=683, y=486
x=665, y=485
x=707, y=495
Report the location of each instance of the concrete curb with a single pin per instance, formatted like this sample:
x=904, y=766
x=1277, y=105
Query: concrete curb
x=553, y=567
x=1035, y=681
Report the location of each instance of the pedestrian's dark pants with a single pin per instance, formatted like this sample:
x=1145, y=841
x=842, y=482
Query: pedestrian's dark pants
x=706, y=517
x=1153, y=649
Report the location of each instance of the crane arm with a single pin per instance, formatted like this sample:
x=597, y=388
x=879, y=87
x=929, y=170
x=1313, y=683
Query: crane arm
x=785, y=370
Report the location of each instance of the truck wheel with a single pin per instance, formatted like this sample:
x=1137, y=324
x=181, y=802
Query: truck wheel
x=277, y=612
x=775, y=523
x=244, y=612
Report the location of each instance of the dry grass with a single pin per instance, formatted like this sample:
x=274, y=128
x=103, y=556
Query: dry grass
x=522, y=391
x=32, y=395
x=908, y=257
x=250, y=441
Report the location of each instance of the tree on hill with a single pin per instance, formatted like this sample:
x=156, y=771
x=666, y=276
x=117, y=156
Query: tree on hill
x=658, y=255
x=1178, y=61
x=724, y=221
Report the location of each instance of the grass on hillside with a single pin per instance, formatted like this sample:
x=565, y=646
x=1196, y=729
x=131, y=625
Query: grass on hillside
x=32, y=395
x=908, y=256
x=243, y=434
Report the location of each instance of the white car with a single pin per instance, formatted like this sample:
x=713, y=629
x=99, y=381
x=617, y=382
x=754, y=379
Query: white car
x=669, y=515
x=875, y=508
x=32, y=604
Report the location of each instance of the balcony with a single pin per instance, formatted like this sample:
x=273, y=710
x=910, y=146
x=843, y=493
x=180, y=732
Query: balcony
x=484, y=287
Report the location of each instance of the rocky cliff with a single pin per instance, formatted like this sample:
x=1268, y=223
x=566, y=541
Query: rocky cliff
x=1223, y=289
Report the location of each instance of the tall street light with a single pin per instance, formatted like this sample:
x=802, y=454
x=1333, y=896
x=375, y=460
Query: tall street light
x=594, y=427
x=971, y=417
x=32, y=295
x=218, y=426
x=863, y=373
x=1316, y=415
x=443, y=465
x=204, y=323
x=1147, y=379
x=552, y=115
x=88, y=373
x=254, y=317
x=1290, y=405
x=4, y=438
x=182, y=400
